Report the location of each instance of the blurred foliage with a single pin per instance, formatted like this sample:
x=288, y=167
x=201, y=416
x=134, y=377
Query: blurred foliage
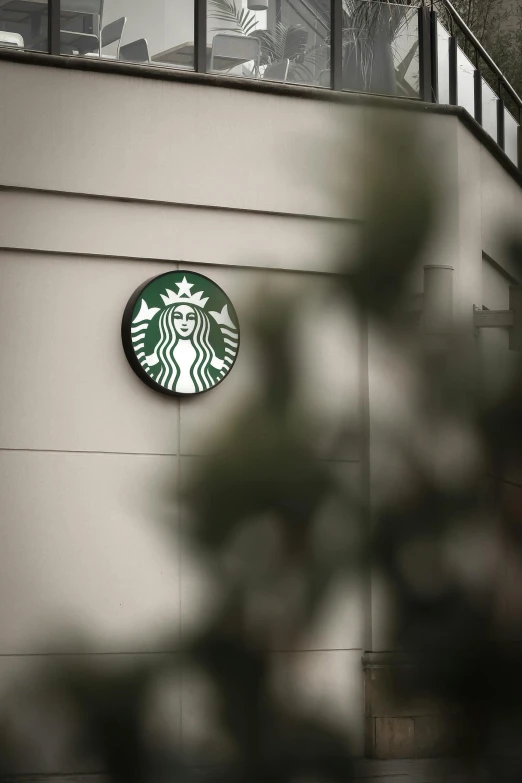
x=276, y=526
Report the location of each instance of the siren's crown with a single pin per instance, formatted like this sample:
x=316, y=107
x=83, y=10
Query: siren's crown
x=183, y=296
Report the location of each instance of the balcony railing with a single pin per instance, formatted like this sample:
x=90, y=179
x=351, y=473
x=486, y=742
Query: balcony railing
x=410, y=51
x=464, y=74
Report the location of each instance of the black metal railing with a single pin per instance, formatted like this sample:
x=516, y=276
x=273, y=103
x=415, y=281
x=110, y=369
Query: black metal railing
x=505, y=93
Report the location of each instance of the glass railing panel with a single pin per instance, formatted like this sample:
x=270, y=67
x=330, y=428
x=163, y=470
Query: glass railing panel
x=489, y=109
x=465, y=82
x=380, y=48
x=511, y=136
x=443, y=68
x=154, y=33
x=24, y=25
x=286, y=41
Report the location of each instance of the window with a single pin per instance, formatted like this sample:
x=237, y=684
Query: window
x=276, y=40
x=157, y=32
x=380, y=48
x=24, y=24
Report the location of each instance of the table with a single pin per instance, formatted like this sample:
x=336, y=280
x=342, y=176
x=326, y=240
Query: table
x=23, y=12
x=19, y=5
x=33, y=12
x=183, y=54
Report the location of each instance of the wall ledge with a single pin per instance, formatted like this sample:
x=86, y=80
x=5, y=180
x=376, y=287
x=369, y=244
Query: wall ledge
x=269, y=88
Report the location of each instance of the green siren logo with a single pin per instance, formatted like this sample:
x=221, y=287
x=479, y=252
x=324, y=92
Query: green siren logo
x=180, y=333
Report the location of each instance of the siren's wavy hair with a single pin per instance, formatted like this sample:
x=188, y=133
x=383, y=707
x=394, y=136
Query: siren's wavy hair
x=200, y=337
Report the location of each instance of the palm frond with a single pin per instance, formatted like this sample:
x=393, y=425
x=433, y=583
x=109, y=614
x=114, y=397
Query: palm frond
x=304, y=68
x=247, y=21
x=238, y=20
x=299, y=72
x=283, y=42
x=223, y=9
x=376, y=17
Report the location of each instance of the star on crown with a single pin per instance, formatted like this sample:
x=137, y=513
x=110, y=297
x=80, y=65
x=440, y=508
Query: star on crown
x=183, y=295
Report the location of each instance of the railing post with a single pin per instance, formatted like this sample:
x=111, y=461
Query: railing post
x=200, y=36
x=453, y=81
x=426, y=93
x=336, y=45
x=501, y=135
x=454, y=89
x=478, y=95
x=434, y=56
x=53, y=26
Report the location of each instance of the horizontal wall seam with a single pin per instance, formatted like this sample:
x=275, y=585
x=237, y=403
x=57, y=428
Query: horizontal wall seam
x=165, y=260
x=35, y=777
x=177, y=204
x=144, y=454
x=90, y=654
x=24, y=450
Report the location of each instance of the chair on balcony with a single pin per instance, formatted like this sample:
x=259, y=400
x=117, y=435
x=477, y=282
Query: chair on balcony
x=278, y=71
x=13, y=40
x=70, y=40
x=135, y=52
x=111, y=33
x=231, y=49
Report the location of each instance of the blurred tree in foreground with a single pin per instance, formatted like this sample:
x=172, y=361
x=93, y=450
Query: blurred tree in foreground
x=278, y=526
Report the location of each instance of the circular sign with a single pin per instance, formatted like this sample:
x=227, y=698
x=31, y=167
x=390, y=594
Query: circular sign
x=180, y=333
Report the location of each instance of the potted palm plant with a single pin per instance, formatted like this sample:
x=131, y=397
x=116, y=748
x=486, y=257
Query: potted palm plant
x=371, y=30
x=283, y=42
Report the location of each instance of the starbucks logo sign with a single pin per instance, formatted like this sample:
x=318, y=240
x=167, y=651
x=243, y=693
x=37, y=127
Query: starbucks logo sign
x=180, y=333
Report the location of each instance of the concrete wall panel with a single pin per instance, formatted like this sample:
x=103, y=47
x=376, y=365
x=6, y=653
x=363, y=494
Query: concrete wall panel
x=122, y=136
x=32, y=220
x=501, y=209
x=85, y=547
x=66, y=383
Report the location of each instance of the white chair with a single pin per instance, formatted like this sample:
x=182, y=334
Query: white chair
x=135, y=52
x=13, y=40
x=113, y=33
x=232, y=49
x=92, y=8
x=278, y=71
x=88, y=45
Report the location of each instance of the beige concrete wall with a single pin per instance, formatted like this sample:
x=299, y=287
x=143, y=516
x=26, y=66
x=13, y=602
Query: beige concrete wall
x=87, y=450
x=90, y=456
x=125, y=137
x=104, y=182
